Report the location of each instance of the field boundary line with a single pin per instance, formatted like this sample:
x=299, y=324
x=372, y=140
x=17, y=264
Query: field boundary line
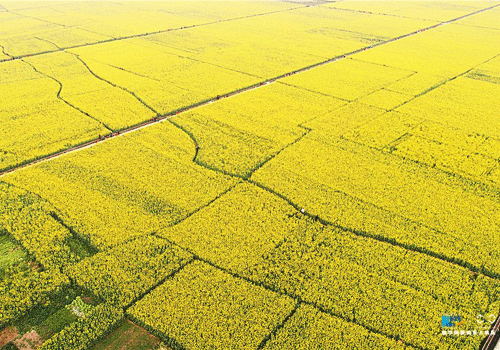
x=112, y=84
x=58, y=96
x=65, y=26
x=168, y=276
x=5, y=53
x=163, y=45
x=380, y=13
x=40, y=7
x=279, y=326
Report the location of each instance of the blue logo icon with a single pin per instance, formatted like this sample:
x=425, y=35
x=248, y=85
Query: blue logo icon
x=451, y=320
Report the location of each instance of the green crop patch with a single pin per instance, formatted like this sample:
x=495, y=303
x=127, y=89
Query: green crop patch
x=10, y=252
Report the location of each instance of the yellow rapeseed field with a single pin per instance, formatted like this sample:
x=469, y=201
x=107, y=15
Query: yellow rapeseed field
x=108, y=104
x=34, y=122
x=487, y=19
x=120, y=275
x=310, y=329
x=271, y=46
x=349, y=79
x=380, y=194
x=428, y=10
x=258, y=221
x=152, y=72
x=230, y=313
x=444, y=51
x=259, y=123
x=131, y=185
x=252, y=174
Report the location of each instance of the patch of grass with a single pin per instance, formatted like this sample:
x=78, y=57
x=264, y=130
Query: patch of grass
x=9, y=346
x=56, y=322
x=13, y=258
x=89, y=298
x=80, y=248
x=10, y=252
x=128, y=336
x=38, y=315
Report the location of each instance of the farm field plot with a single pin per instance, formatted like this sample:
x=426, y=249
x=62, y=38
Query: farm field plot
x=131, y=185
x=273, y=47
x=452, y=49
x=150, y=72
x=84, y=90
x=11, y=252
x=128, y=335
x=23, y=35
x=30, y=103
x=258, y=175
x=348, y=79
x=26, y=27
x=487, y=20
x=427, y=10
x=259, y=124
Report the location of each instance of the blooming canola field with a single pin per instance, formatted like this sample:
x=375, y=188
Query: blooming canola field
x=251, y=174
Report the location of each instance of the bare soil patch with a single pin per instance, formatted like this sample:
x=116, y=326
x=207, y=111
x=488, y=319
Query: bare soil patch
x=129, y=336
x=8, y=334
